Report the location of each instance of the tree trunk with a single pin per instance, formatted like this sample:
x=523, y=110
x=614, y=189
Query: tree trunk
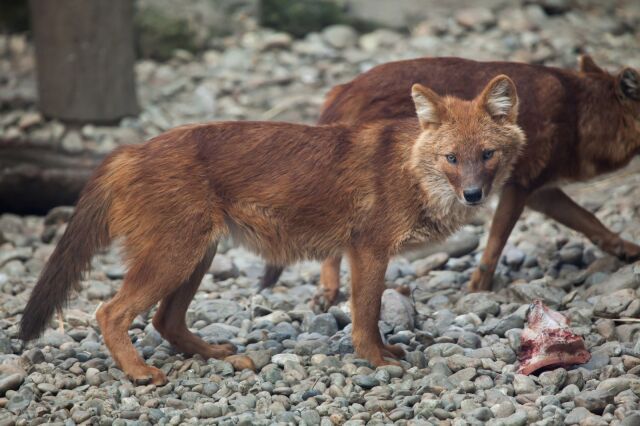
x=36, y=178
x=85, y=59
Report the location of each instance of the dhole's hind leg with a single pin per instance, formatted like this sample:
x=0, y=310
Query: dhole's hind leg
x=559, y=206
x=271, y=276
x=115, y=317
x=170, y=322
x=156, y=270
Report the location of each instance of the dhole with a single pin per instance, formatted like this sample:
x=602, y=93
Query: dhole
x=287, y=192
x=578, y=125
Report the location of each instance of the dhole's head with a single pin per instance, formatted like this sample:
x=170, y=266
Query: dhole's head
x=466, y=148
x=616, y=108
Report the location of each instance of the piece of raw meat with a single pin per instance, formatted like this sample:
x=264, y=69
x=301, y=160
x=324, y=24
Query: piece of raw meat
x=548, y=342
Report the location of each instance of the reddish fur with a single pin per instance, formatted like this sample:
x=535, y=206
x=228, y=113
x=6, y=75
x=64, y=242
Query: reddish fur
x=578, y=124
x=287, y=192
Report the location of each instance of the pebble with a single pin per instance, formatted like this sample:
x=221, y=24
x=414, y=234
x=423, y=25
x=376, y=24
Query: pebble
x=72, y=142
x=475, y=18
x=210, y=410
x=632, y=420
x=281, y=359
x=10, y=382
x=519, y=418
x=514, y=257
x=537, y=290
x=466, y=374
x=502, y=410
x=577, y=416
x=342, y=318
x=571, y=255
x=324, y=324
x=29, y=119
x=615, y=385
x=365, y=382
x=481, y=413
x=553, y=379
x=480, y=304
x=397, y=310
x=340, y=36
x=523, y=384
x=612, y=305
x=310, y=417
x=595, y=400
x=430, y=263
x=223, y=268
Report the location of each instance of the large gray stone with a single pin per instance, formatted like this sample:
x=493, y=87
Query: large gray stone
x=594, y=400
x=626, y=277
x=10, y=378
x=340, y=36
x=611, y=305
x=537, y=290
x=577, y=415
x=397, y=310
x=476, y=18
x=324, y=324
x=480, y=304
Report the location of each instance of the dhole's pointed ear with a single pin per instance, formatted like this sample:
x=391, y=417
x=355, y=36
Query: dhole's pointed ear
x=629, y=84
x=587, y=64
x=500, y=100
x=428, y=105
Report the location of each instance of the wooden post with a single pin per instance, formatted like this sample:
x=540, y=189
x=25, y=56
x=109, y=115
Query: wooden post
x=85, y=59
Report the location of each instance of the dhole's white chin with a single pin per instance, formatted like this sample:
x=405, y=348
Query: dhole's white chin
x=472, y=204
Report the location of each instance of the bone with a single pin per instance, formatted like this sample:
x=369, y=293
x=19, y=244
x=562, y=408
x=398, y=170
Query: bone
x=548, y=342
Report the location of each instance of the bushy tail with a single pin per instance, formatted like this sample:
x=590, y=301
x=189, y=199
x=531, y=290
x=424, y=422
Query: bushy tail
x=86, y=233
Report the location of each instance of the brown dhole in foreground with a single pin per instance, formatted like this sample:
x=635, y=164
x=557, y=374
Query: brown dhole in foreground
x=578, y=125
x=286, y=192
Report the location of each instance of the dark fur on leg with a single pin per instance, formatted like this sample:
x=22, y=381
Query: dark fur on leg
x=271, y=276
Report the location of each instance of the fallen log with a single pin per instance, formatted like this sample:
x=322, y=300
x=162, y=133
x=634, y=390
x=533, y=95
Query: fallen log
x=35, y=178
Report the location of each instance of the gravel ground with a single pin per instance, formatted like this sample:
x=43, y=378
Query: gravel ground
x=461, y=349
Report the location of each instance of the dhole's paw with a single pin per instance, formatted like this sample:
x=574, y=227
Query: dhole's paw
x=241, y=362
x=629, y=252
x=384, y=358
x=622, y=249
x=382, y=355
x=480, y=281
x=148, y=375
x=221, y=351
x=388, y=361
x=324, y=299
x=393, y=351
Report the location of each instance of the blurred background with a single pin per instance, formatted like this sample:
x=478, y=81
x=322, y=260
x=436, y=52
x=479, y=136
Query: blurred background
x=78, y=78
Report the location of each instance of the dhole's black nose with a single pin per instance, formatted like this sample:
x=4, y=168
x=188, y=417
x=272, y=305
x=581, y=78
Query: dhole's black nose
x=472, y=195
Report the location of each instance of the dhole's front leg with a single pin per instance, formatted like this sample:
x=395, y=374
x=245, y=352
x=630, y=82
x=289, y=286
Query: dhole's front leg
x=510, y=206
x=329, y=290
x=554, y=203
x=367, y=285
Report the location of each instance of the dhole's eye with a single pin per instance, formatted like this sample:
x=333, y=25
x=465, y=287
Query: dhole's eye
x=487, y=154
x=451, y=158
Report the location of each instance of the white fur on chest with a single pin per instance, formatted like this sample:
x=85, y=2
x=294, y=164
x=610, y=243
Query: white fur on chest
x=437, y=225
